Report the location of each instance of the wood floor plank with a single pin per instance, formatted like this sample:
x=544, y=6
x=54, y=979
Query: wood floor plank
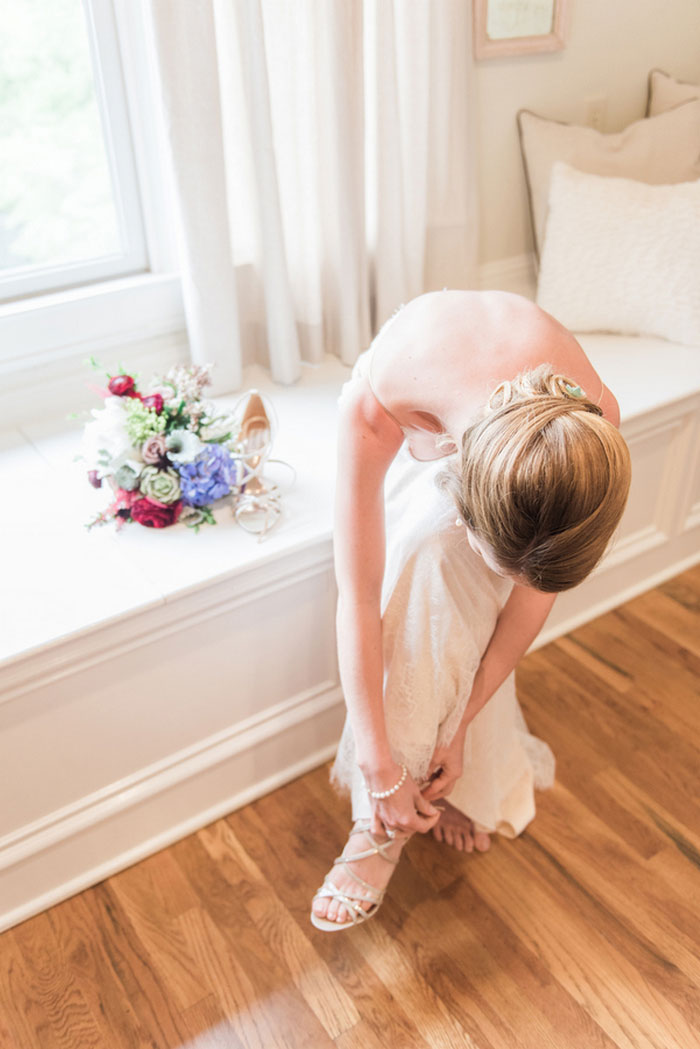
x=613, y=723
x=685, y=589
x=260, y=1016
x=208, y=1027
x=655, y=607
x=578, y=652
x=601, y=863
x=407, y=985
x=644, y=650
x=68, y=1014
x=263, y=976
x=83, y=953
x=21, y=1000
x=159, y=935
x=643, y=753
x=643, y=805
x=598, y=974
x=148, y=994
x=529, y=1001
x=309, y=972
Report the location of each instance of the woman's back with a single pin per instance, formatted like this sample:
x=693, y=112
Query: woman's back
x=434, y=366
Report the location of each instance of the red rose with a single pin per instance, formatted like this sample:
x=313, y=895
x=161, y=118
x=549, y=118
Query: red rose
x=155, y=515
x=94, y=480
x=122, y=386
x=154, y=400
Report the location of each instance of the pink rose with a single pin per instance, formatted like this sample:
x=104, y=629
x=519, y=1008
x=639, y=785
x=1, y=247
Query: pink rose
x=153, y=449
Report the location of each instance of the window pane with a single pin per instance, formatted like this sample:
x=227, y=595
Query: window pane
x=56, y=201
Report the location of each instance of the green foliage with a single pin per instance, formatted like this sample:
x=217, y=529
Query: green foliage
x=197, y=516
x=142, y=422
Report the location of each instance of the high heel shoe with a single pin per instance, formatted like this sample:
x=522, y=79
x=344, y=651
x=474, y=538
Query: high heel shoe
x=255, y=432
x=258, y=507
x=353, y=901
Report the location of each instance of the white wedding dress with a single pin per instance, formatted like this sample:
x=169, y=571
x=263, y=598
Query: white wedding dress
x=440, y=603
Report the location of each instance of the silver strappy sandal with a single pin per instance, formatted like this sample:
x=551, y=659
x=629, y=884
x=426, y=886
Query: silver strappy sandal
x=353, y=904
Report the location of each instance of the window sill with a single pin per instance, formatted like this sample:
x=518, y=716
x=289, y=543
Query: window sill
x=42, y=328
x=64, y=584
x=46, y=340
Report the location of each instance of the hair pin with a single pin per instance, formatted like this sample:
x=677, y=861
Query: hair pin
x=575, y=391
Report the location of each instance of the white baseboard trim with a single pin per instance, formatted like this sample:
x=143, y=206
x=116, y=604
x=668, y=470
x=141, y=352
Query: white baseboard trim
x=51, y=859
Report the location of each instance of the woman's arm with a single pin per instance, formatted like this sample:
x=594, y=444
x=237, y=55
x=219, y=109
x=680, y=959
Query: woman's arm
x=368, y=441
x=521, y=619
x=519, y=623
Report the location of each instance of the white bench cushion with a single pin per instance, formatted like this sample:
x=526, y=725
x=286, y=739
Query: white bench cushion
x=643, y=372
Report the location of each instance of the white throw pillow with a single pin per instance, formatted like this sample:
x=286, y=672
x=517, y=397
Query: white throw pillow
x=622, y=256
x=666, y=93
x=658, y=150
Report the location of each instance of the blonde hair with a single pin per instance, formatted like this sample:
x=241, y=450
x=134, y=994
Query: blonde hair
x=544, y=479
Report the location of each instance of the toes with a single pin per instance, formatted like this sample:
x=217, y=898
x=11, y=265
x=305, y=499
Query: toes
x=319, y=907
x=437, y=832
x=482, y=841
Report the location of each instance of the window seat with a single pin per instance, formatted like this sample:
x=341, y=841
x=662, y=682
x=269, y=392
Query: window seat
x=152, y=682
x=62, y=581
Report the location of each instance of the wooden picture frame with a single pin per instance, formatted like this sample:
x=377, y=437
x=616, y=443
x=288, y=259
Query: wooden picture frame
x=487, y=47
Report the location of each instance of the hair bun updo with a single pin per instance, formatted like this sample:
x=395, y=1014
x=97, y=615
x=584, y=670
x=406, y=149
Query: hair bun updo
x=544, y=479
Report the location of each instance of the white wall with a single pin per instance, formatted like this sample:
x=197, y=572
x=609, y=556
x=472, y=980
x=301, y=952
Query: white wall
x=611, y=46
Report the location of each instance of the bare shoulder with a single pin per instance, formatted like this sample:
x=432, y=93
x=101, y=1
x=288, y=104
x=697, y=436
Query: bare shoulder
x=365, y=430
x=568, y=356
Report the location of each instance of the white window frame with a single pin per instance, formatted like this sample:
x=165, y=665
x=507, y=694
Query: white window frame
x=110, y=314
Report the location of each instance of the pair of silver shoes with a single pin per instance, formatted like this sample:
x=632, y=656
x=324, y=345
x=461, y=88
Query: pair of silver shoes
x=257, y=505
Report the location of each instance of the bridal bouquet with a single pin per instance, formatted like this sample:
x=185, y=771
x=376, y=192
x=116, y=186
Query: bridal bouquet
x=164, y=451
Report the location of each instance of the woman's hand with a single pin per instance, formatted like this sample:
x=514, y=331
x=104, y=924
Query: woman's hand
x=406, y=811
x=446, y=767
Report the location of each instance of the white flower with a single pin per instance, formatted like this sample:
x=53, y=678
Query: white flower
x=216, y=426
x=105, y=440
x=183, y=446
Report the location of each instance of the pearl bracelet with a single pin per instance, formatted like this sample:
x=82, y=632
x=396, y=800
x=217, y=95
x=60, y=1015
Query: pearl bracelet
x=387, y=793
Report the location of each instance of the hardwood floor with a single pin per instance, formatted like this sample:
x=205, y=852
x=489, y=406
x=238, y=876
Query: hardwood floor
x=583, y=933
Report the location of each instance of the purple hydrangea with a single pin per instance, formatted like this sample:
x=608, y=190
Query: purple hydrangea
x=212, y=474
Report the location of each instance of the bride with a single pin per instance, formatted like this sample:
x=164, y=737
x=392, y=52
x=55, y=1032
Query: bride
x=480, y=471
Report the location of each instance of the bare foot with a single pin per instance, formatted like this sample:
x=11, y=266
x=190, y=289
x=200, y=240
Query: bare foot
x=375, y=870
x=457, y=830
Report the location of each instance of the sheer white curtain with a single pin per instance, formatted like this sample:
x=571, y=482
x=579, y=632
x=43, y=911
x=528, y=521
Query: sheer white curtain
x=323, y=169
